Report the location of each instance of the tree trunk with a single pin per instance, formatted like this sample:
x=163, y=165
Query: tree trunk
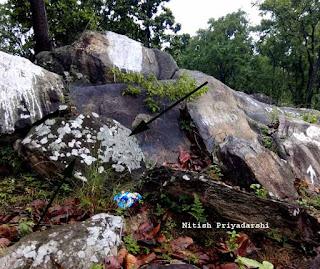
x=224, y=203
x=40, y=26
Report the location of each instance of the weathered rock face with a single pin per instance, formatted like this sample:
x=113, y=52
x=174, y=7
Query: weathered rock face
x=227, y=133
x=299, y=143
x=27, y=93
x=247, y=160
x=52, y=145
x=160, y=144
x=75, y=246
x=231, y=124
x=95, y=54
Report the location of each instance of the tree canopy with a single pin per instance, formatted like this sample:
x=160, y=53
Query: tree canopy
x=147, y=21
x=284, y=61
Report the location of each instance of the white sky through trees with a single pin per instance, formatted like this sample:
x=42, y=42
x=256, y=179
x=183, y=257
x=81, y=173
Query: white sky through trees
x=194, y=15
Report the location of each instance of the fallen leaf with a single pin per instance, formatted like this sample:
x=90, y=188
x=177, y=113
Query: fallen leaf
x=8, y=232
x=181, y=243
x=131, y=262
x=161, y=239
x=122, y=255
x=152, y=233
x=4, y=242
x=228, y=266
x=145, y=259
x=245, y=246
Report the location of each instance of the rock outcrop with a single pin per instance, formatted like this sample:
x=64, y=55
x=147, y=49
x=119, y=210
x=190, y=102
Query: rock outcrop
x=27, y=93
x=51, y=146
x=160, y=144
x=95, y=54
x=73, y=246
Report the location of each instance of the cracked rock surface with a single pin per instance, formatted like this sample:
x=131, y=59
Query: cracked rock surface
x=73, y=246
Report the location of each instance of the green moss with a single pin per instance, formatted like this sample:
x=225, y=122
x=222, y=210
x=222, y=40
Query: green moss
x=156, y=89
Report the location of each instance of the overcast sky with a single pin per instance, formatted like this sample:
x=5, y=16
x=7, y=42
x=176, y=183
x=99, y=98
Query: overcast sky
x=194, y=15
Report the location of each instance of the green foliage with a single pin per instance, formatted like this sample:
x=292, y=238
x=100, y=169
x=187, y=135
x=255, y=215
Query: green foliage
x=97, y=266
x=231, y=242
x=242, y=262
x=197, y=210
x=22, y=190
x=266, y=139
x=25, y=227
x=274, y=115
x=155, y=89
x=277, y=236
x=9, y=157
x=313, y=201
x=132, y=91
x=259, y=190
x=131, y=244
x=215, y=172
x=311, y=118
x=147, y=21
x=227, y=44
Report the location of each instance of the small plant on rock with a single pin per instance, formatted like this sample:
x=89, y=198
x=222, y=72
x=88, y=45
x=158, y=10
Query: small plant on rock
x=259, y=190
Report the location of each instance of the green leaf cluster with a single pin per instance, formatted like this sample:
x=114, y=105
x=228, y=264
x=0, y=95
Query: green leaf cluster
x=155, y=89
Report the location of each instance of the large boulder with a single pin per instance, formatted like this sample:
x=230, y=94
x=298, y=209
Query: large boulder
x=73, y=246
x=159, y=144
x=27, y=93
x=256, y=141
x=227, y=132
x=52, y=145
x=94, y=55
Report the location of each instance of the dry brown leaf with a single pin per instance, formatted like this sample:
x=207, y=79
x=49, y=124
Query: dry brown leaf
x=131, y=262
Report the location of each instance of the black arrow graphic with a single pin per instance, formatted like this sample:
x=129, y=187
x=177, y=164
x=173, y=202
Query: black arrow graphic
x=143, y=126
x=67, y=173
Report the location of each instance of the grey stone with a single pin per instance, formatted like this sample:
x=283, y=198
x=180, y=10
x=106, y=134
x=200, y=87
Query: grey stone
x=95, y=54
x=73, y=246
x=159, y=144
x=27, y=93
x=50, y=146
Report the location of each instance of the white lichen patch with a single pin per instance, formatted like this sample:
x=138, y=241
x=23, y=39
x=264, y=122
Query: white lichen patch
x=89, y=140
x=21, y=96
x=75, y=246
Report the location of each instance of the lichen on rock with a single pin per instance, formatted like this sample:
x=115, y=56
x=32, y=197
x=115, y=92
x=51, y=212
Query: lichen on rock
x=71, y=246
x=86, y=138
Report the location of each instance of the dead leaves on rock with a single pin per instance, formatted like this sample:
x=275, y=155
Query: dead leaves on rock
x=189, y=161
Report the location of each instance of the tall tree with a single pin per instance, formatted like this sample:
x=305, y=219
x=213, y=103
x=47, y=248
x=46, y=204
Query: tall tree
x=147, y=21
x=40, y=26
x=297, y=25
x=224, y=50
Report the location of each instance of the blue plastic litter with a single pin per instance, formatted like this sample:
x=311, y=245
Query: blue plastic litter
x=127, y=199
